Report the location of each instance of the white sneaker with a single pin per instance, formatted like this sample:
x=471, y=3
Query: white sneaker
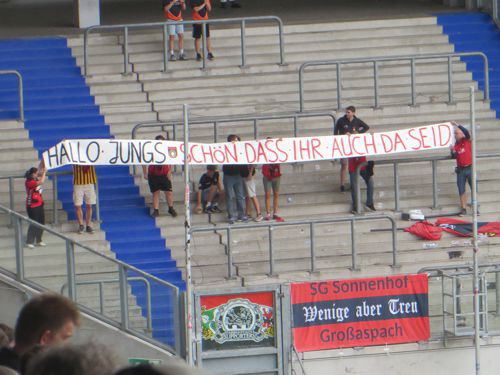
x=30, y=245
x=41, y=243
x=259, y=218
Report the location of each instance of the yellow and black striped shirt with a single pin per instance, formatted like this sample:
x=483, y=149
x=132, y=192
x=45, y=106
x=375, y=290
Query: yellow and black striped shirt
x=84, y=175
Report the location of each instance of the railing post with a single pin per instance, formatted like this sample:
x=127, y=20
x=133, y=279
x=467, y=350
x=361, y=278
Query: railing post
x=375, y=82
x=165, y=48
x=435, y=197
x=396, y=187
x=174, y=131
x=148, y=305
x=497, y=292
x=413, y=83
x=85, y=52
x=450, y=80
x=313, y=248
x=55, y=216
x=255, y=131
x=21, y=96
x=486, y=74
x=394, y=243
x=125, y=50
x=243, y=44
x=339, y=87
x=101, y=298
x=70, y=269
x=353, y=246
x=11, y=198
x=177, y=319
x=122, y=272
x=204, y=45
x=357, y=192
x=18, y=227
x=295, y=127
x=215, y=132
x=229, y=255
x=282, y=43
x=301, y=88
x=271, y=253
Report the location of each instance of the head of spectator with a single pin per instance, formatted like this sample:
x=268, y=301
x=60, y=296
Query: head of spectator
x=174, y=367
x=160, y=138
x=46, y=319
x=350, y=112
x=233, y=138
x=211, y=170
x=461, y=133
x=9, y=333
x=31, y=174
x=4, y=370
x=89, y=358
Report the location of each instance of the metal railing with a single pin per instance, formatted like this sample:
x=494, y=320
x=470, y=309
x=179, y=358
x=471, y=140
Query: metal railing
x=377, y=60
x=55, y=189
x=71, y=282
x=164, y=25
x=396, y=183
x=493, y=8
x=20, y=90
x=271, y=227
x=100, y=283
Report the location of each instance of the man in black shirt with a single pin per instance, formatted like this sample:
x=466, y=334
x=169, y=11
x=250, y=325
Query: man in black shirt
x=209, y=190
x=234, y=188
x=348, y=124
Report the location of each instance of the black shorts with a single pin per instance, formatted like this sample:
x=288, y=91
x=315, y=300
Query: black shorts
x=197, y=30
x=159, y=183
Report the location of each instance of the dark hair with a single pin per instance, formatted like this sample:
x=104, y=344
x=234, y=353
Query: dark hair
x=89, y=358
x=211, y=167
x=465, y=131
x=351, y=108
x=142, y=369
x=45, y=312
x=233, y=137
x=160, y=138
x=9, y=332
x=29, y=172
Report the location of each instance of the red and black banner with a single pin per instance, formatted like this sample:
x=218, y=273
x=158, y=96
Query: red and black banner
x=360, y=312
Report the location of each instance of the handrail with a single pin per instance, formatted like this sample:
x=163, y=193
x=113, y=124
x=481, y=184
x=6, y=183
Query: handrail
x=271, y=227
x=293, y=351
x=123, y=268
x=101, y=282
x=395, y=162
x=55, y=188
x=126, y=27
x=377, y=60
x=20, y=89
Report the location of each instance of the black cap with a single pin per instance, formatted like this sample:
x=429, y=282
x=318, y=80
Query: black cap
x=465, y=131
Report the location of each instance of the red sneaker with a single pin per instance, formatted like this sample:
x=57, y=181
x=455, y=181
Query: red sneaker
x=278, y=219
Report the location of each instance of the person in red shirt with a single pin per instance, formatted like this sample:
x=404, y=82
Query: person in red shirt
x=462, y=152
x=366, y=172
x=159, y=178
x=35, y=177
x=200, y=12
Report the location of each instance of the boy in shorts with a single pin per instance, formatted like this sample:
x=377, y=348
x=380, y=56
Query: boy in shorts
x=251, y=192
x=84, y=180
x=173, y=12
x=200, y=12
x=159, y=178
x=271, y=180
x=209, y=191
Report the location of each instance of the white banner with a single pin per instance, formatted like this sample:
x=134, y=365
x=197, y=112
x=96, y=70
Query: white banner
x=275, y=150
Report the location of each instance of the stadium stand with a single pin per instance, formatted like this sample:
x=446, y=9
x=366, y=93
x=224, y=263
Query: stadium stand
x=108, y=104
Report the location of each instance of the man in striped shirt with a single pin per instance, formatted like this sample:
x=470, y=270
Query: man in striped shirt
x=84, y=180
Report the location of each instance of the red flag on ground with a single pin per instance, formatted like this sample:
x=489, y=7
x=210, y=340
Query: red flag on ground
x=425, y=230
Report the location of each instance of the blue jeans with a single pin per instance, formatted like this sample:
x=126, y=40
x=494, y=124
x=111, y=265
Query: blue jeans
x=235, y=193
x=463, y=175
x=369, y=188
